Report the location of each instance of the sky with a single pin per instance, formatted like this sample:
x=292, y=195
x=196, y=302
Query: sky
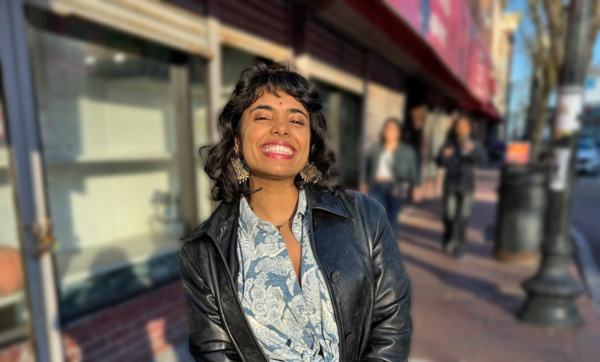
x=521, y=67
x=596, y=53
x=521, y=70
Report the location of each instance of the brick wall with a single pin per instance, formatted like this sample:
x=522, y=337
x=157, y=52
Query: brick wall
x=133, y=330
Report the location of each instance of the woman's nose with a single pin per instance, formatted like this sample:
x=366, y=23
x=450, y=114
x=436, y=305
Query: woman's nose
x=280, y=127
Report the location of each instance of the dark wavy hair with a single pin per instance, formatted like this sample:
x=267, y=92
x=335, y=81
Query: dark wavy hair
x=451, y=136
x=272, y=77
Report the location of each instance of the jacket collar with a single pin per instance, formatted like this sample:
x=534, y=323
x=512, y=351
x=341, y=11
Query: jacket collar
x=223, y=221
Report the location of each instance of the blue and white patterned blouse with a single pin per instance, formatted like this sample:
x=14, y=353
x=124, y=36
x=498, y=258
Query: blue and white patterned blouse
x=292, y=324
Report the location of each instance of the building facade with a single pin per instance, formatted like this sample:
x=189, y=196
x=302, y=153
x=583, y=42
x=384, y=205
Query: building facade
x=104, y=105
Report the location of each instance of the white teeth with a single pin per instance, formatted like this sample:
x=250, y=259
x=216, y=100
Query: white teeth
x=278, y=149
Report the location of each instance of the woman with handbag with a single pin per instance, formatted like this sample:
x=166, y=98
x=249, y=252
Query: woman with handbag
x=391, y=171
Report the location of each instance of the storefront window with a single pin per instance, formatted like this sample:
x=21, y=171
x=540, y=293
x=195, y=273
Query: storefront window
x=13, y=311
x=235, y=61
x=201, y=139
x=108, y=120
x=342, y=110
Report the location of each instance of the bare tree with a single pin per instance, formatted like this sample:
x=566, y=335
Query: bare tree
x=546, y=48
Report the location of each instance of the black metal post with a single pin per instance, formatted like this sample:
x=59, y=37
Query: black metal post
x=551, y=293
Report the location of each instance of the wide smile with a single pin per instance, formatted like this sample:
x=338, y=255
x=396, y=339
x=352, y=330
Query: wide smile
x=278, y=150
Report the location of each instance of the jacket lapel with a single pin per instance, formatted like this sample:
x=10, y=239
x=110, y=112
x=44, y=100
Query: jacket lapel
x=326, y=201
x=221, y=227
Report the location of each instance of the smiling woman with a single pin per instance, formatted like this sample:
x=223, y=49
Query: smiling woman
x=289, y=267
x=270, y=97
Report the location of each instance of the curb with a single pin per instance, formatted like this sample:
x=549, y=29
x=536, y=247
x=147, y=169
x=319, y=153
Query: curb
x=587, y=267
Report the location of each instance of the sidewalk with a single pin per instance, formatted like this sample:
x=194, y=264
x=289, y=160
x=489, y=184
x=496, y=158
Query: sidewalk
x=464, y=310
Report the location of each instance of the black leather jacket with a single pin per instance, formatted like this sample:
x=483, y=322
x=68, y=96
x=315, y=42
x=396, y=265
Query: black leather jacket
x=460, y=166
x=356, y=250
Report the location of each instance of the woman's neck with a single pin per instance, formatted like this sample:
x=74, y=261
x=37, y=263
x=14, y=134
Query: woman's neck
x=276, y=201
x=390, y=145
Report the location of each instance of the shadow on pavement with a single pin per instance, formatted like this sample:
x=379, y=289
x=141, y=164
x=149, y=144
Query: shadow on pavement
x=479, y=288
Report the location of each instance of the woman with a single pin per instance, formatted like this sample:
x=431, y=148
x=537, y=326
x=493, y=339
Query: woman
x=391, y=171
x=286, y=269
x=459, y=155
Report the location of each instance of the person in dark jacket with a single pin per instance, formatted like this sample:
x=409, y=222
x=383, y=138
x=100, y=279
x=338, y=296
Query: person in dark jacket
x=288, y=267
x=391, y=171
x=459, y=155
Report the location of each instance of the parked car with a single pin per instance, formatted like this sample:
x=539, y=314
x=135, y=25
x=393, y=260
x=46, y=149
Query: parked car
x=588, y=158
x=497, y=152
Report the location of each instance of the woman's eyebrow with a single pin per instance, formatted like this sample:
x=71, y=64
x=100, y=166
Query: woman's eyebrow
x=269, y=108
x=262, y=106
x=296, y=110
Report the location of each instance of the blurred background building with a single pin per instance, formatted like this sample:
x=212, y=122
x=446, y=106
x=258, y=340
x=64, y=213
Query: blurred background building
x=591, y=118
x=105, y=103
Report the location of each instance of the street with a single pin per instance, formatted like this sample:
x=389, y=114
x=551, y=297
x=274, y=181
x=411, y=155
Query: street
x=586, y=208
x=586, y=233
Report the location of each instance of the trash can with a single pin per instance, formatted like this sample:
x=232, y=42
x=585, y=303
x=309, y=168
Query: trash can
x=520, y=216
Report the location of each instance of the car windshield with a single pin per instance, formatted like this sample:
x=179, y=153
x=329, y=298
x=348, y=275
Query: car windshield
x=586, y=145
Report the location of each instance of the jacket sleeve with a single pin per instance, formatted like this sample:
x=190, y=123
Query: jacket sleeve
x=477, y=156
x=415, y=175
x=442, y=160
x=366, y=166
x=208, y=340
x=391, y=329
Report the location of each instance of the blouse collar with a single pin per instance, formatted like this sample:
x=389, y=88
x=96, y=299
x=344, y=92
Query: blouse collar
x=249, y=220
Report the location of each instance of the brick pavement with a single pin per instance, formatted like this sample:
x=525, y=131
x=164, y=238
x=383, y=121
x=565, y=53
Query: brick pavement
x=464, y=310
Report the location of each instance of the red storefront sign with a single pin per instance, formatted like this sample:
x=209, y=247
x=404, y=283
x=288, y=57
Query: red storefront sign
x=517, y=153
x=447, y=26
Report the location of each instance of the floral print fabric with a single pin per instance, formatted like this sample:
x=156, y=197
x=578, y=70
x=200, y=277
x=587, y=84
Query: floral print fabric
x=292, y=324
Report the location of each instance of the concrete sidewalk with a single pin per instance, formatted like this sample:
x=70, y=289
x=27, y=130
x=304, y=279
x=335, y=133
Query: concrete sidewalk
x=464, y=310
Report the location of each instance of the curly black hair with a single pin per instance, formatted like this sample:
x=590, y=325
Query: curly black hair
x=272, y=77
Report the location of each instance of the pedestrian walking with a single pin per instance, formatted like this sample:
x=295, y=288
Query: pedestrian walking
x=288, y=267
x=459, y=156
x=391, y=171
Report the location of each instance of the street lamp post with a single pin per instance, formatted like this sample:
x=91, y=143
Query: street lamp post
x=552, y=292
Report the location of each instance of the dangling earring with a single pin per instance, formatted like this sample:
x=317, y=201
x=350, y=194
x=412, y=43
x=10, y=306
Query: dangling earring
x=310, y=173
x=242, y=172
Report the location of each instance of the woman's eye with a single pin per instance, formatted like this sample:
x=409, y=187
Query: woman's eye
x=297, y=121
x=260, y=118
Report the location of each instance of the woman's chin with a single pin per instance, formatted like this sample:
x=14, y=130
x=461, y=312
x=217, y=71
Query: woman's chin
x=275, y=175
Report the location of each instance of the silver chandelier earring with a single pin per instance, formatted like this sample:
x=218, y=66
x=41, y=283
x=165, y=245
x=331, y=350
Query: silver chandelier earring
x=242, y=172
x=310, y=173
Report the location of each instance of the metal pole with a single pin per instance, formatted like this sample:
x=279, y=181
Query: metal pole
x=551, y=293
x=22, y=124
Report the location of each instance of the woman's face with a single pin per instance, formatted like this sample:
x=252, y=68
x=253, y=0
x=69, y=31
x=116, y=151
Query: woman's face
x=463, y=129
x=275, y=136
x=391, y=132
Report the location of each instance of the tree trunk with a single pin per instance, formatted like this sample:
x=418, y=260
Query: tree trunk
x=532, y=111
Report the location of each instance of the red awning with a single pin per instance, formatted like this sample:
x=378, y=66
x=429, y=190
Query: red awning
x=459, y=62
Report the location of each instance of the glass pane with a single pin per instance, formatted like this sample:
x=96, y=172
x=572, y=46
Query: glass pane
x=108, y=129
x=13, y=311
x=234, y=63
x=343, y=113
x=200, y=125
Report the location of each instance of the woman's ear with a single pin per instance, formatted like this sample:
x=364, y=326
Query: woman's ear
x=236, y=144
